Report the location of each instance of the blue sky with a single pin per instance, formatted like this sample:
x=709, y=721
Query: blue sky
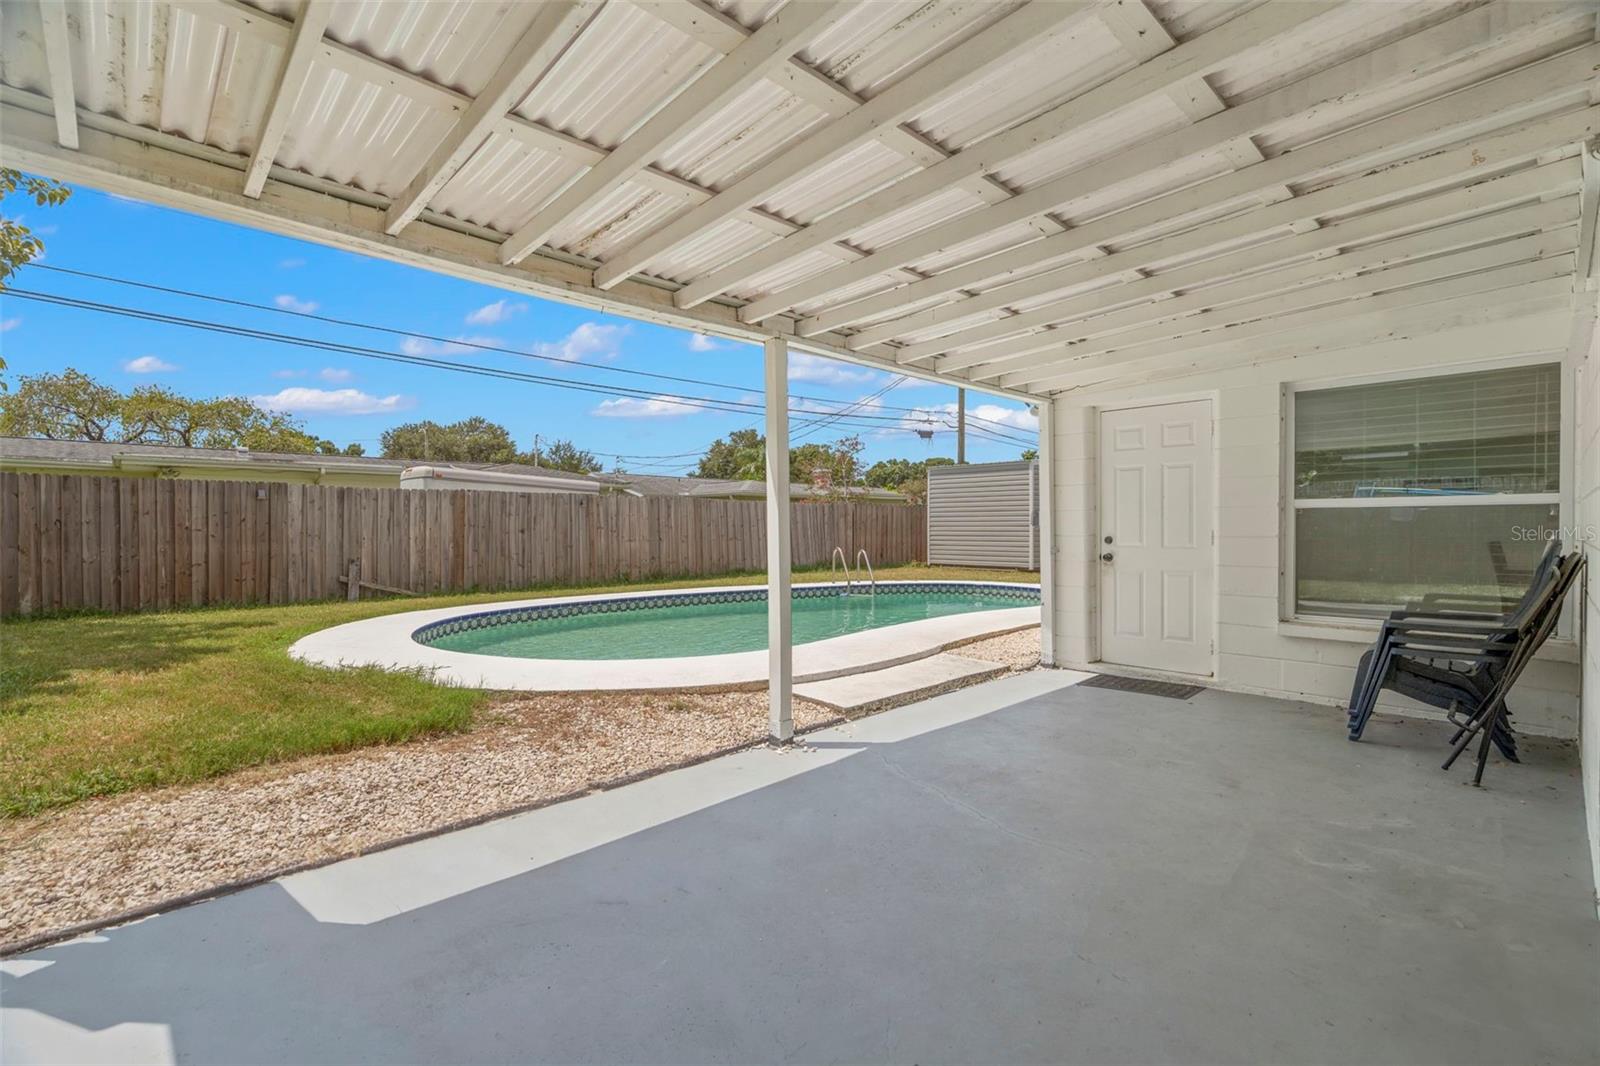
x=347, y=398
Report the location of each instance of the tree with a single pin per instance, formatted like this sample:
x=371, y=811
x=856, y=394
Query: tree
x=471, y=440
x=153, y=414
x=73, y=406
x=892, y=473
x=18, y=244
x=564, y=455
x=1030, y=454
x=327, y=447
x=66, y=406
x=915, y=490
x=741, y=457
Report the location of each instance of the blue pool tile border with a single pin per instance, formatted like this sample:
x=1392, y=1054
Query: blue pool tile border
x=611, y=604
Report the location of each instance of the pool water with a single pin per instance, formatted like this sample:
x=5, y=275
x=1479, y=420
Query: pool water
x=715, y=628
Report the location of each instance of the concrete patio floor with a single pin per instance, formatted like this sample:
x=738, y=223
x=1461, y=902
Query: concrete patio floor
x=1024, y=871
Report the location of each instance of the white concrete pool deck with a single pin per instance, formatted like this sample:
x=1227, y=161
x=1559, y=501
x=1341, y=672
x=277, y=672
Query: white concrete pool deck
x=386, y=642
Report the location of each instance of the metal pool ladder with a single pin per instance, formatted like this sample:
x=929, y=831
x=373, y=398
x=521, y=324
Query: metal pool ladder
x=840, y=560
x=862, y=559
x=837, y=560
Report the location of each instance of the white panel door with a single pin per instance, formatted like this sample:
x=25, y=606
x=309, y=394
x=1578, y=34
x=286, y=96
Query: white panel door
x=1156, y=537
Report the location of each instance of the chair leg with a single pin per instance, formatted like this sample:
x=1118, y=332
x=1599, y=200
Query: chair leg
x=1483, y=748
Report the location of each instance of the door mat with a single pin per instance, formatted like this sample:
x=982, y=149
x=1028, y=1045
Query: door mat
x=1142, y=686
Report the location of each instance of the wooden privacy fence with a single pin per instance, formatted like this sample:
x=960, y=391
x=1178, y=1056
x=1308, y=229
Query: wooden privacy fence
x=127, y=544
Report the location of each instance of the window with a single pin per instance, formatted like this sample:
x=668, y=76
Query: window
x=1436, y=484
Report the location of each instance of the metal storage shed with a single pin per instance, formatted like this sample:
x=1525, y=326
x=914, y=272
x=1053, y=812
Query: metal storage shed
x=984, y=514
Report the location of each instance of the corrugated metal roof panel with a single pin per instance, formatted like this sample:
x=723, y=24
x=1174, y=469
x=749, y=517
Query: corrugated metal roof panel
x=505, y=184
x=208, y=74
x=858, y=172
x=722, y=243
x=757, y=125
x=1033, y=82
x=615, y=220
x=883, y=41
x=625, y=66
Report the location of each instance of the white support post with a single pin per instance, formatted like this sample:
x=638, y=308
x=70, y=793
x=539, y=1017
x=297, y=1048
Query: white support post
x=1047, y=532
x=780, y=647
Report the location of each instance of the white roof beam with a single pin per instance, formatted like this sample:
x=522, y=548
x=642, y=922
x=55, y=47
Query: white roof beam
x=1588, y=261
x=1397, y=63
x=241, y=18
x=1423, y=312
x=1203, y=309
x=554, y=27
x=298, y=55
x=1419, y=175
x=1487, y=155
x=1555, y=179
x=58, y=64
x=714, y=29
x=947, y=74
x=1554, y=247
x=172, y=171
x=779, y=38
x=1500, y=100
x=1175, y=67
x=1541, y=278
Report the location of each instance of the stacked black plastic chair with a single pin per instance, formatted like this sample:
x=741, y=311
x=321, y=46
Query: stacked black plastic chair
x=1451, y=654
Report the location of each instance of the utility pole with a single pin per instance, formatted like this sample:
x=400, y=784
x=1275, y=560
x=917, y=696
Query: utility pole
x=961, y=426
x=536, y=451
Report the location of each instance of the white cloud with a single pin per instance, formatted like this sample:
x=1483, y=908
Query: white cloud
x=1015, y=417
x=289, y=303
x=982, y=416
x=699, y=342
x=292, y=263
x=499, y=311
x=591, y=340
x=654, y=407
x=424, y=346
x=148, y=364
x=335, y=374
x=814, y=368
x=9, y=324
x=299, y=400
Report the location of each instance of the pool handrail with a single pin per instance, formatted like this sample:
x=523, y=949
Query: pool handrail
x=838, y=559
x=862, y=557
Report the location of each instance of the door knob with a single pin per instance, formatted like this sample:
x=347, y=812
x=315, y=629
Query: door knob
x=1107, y=557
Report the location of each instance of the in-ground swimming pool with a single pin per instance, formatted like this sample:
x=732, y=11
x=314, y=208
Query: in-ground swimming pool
x=717, y=622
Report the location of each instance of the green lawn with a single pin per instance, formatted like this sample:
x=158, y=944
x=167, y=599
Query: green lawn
x=92, y=705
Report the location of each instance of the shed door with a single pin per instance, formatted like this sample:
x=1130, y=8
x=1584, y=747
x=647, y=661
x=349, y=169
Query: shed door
x=1156, y=537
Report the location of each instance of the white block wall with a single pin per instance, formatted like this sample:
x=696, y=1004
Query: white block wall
x=1255, y=652
x=1587, y=519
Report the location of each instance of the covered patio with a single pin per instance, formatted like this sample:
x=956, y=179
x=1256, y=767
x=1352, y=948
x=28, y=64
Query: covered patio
x=1232, y=252
x=1029, y=871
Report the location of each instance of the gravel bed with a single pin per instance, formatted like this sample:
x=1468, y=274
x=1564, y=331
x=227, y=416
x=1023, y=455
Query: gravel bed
x=104, y=857
x=1019, y=650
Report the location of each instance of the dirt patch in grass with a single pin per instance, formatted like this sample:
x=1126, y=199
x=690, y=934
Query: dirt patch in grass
x=106, y=856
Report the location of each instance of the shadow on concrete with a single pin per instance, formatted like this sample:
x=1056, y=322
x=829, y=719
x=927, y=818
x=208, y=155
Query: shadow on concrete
x=1087, y=876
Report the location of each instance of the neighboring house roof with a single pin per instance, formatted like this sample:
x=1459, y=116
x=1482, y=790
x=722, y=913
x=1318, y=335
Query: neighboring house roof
x=113, y=456
x=668, y=485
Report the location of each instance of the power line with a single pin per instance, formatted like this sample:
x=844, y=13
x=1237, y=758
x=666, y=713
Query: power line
x=271, y=336
x=475, y=345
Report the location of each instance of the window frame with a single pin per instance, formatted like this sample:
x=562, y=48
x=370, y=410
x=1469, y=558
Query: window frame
x=1289, y=506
